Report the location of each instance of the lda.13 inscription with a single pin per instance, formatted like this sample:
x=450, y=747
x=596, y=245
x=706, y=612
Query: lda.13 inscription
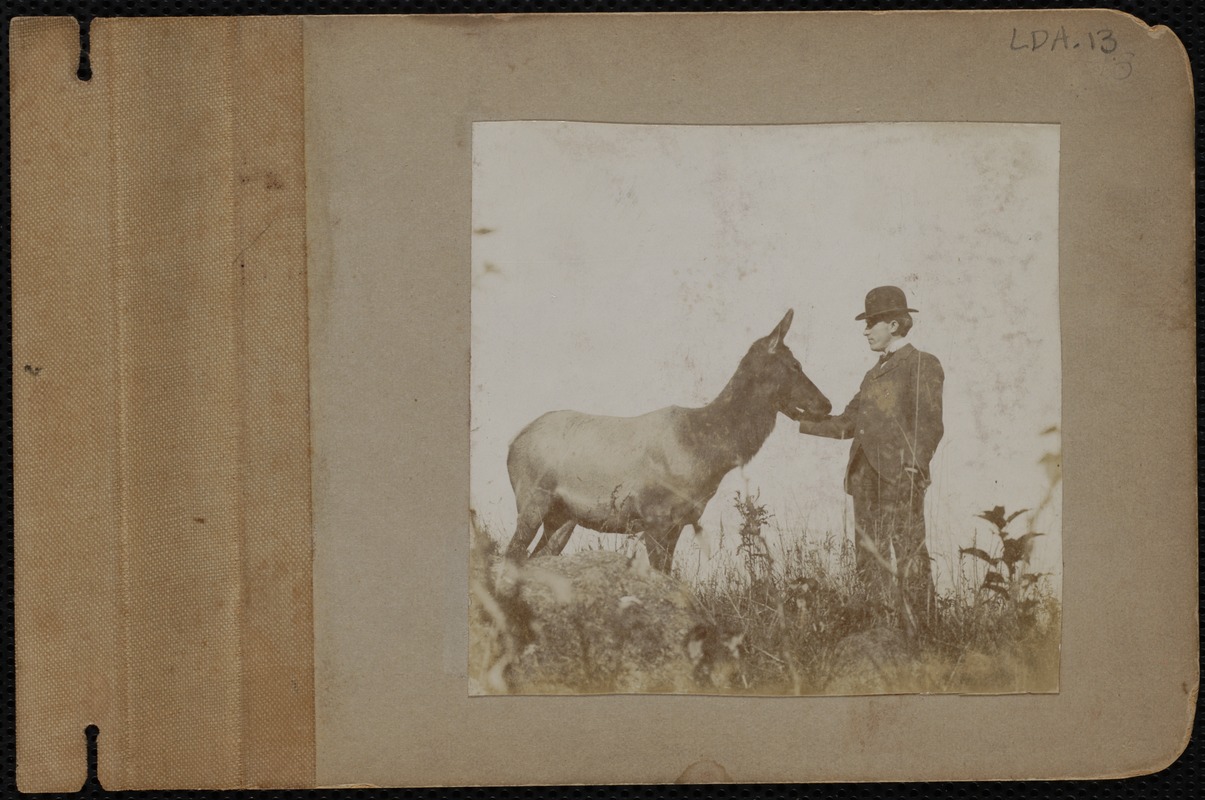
x=1050, y=40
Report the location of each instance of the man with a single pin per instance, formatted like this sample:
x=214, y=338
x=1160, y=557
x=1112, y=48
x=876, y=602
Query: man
x=895, y=423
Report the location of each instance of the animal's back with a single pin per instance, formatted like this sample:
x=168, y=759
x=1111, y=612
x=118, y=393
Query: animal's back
x=588, y=458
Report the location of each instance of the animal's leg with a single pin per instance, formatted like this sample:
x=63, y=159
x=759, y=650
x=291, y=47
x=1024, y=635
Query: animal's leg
x=551, y=521
x=531, y=514
x=702, y=539
x=661, y=544
x=559, y=537
x=554, y=519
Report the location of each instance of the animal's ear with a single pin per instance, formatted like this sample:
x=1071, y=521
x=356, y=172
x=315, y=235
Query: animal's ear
x=780, y=331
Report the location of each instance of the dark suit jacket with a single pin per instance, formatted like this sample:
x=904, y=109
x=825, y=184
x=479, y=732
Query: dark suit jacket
x=895, y=418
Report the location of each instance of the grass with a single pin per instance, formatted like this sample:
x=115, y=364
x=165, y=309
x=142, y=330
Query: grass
x=809, y=626
x=808, y=623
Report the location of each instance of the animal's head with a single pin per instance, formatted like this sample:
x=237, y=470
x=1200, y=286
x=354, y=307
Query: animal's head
x=777, y=372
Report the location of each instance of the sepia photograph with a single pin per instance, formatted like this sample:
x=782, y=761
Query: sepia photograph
x=763, y=398
x=765, y=409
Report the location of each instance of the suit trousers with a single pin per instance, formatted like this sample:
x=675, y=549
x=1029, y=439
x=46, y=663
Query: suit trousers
x=890, y=518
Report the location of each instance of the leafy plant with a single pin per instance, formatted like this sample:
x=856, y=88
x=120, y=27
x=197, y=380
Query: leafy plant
x=753, y=518
x=1013, y=552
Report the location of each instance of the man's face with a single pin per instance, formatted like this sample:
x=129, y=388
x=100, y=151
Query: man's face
x=879, y=334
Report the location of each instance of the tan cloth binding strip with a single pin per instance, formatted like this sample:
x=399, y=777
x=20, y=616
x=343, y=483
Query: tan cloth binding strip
x=163, y=502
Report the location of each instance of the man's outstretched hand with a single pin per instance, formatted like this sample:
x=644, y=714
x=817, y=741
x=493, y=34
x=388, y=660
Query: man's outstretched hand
x=809, y=425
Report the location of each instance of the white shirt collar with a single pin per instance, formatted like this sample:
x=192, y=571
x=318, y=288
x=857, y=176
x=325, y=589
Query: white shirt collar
x=895, y=345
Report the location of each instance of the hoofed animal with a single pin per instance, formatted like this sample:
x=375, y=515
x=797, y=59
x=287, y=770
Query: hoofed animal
x=654, y=473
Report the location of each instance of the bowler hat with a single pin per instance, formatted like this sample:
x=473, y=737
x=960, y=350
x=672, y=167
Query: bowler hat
x=884, y=300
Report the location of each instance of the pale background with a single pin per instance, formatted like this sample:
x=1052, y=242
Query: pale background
x=621, y=268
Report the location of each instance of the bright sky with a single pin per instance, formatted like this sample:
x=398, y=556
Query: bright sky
x=622, y=268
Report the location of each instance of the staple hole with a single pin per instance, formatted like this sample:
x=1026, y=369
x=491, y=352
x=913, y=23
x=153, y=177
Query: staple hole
x=92, y=781
x=83, y=69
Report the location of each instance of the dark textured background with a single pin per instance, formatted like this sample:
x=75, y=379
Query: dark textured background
x=1181, y=780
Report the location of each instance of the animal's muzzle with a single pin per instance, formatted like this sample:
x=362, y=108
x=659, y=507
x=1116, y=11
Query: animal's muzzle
x=818, y=410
